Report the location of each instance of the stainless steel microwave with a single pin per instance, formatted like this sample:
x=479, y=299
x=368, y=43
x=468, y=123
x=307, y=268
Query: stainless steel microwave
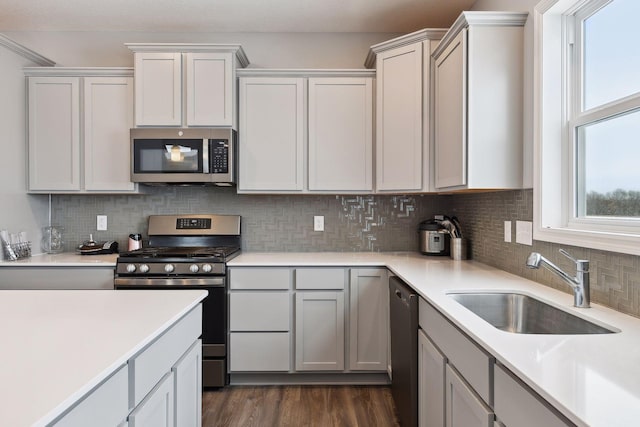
x=183, y=156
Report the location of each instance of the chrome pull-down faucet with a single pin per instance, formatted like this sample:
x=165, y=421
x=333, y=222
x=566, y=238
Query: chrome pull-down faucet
x=579, y=283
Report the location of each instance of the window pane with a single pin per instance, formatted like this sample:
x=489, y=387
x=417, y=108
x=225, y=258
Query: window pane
x=611, y=53
x=609, y=166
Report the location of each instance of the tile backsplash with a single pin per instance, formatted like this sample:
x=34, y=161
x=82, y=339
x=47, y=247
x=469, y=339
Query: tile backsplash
x=357, y=223
x=269, y=222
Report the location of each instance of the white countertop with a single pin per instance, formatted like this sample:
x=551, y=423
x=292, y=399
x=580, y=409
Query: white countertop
x=58, y=345
x=64, y=259
x=594, y=380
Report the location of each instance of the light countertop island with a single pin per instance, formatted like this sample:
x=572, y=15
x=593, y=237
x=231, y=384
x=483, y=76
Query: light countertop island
x=594, y=380
x=59, y=345
x=64, y=259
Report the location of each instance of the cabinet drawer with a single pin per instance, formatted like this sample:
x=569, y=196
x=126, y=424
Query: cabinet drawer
x=473, y=363
x=259, y=278
x=267, y=351
x=107, y=405
x=320, y=278
x=149, y=366
x=516, y=405
x=259, y=311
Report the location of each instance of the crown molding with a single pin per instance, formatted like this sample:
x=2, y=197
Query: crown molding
x=407, y=39
x=466, y=19
x=25, y=52
x=236, y=49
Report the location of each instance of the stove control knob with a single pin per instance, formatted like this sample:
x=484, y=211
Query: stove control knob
x=169, y=268
x=194, y=268
x=131, y=268
x=207, y=268
x=144, y=268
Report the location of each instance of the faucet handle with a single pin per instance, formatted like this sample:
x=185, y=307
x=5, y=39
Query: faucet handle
x=581, y=264
x=565, y=253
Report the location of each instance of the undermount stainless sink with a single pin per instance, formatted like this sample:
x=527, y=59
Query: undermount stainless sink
x=522, y=314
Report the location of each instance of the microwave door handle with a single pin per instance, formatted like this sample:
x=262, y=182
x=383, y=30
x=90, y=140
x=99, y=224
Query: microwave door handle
x=205, y=155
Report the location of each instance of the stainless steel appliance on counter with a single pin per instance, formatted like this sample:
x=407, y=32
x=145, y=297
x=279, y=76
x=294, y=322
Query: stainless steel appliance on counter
x=403, y=303
x=183, y=156
x=185, y=252
x=434, y=238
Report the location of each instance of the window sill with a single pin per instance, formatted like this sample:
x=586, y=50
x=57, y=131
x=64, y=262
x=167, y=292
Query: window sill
x=605, y=241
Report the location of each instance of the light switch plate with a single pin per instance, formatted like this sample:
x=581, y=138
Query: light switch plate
x=507, y=231
x=101, y=222
x=318, y=223
x=524, y=232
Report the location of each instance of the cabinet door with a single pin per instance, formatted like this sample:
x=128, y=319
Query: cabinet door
x=108, y=117
x=399, y=119
x=464, y=408
x=319, y=331
x=450, y=114
x=368, y=319
x=158, y=88
x=259, y=351
x=54, y=133
x=209, y=89
x=156, y=410
x=517, y=405
x=431, y=385
x=188, y=387
x=271, y=134
x=340, y=134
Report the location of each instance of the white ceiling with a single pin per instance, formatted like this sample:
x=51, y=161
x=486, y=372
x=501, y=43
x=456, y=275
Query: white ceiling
x=388, y=16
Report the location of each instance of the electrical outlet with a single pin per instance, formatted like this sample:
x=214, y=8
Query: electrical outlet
x=101, y=221
x=524, y=232
x=318, y=223
x=507, y=231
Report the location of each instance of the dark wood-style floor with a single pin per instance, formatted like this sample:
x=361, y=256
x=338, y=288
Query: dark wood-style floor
x=321, y=406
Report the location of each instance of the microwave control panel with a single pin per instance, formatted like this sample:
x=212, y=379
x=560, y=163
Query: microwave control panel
x=219, y=156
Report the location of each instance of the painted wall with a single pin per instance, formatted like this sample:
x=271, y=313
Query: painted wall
x=264, y=50
x=18, y=211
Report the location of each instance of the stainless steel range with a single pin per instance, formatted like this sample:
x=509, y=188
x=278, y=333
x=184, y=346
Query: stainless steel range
x=184, y=252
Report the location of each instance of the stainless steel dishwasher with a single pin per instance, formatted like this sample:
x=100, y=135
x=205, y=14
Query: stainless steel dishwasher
x=404, y=350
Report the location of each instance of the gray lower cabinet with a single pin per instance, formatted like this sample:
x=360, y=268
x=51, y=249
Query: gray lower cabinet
x=308, y=319
x=157, y=408
x=464, y=408
x=455, y=375
x=431, y=383
x=517, y=405
x=159, y=386
x=319, y=331
x=461, y=385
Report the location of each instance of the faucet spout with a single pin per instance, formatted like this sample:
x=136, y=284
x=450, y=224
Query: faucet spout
x=579, y=283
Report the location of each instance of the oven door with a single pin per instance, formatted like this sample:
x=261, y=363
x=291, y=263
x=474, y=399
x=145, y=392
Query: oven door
x=214, y=319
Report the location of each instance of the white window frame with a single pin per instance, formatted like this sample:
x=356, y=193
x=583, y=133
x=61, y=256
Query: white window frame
x=554, y=142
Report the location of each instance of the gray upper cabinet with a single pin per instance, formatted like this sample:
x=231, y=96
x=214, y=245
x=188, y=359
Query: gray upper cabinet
x=304, y=131
x=478, y=103
x=403, y=82
x=78, y=130
x=186, y=84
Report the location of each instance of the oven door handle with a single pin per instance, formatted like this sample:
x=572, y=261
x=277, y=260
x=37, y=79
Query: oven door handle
x=123, y=282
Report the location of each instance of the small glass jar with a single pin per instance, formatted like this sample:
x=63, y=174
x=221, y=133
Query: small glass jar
x=52, y=241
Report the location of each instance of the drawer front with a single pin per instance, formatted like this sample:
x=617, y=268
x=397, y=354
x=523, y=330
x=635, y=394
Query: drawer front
x=149, y=366
x=320, y=278
x=473, y=363
x=259, y=311
x=259, y=278
x=107, y=405
x=516, y=405
x=257, y=352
